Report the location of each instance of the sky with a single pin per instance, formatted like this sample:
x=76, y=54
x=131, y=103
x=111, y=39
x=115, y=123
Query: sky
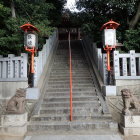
x=71, y=5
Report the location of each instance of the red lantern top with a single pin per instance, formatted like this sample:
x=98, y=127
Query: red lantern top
x=28, y=27
x=110, y=25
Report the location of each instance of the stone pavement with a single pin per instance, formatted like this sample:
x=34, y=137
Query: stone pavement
x=132, y=138
x=11, y=138
x=74, y=137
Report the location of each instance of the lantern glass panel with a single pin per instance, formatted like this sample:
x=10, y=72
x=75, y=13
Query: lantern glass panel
x=30, y=40
x=110, y=37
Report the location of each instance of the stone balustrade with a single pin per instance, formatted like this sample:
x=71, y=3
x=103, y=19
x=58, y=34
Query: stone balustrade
x=13, y=68
x=98, y=57
x=44, y=55
x=127, y=71
x=13, y=74
x=127, y=65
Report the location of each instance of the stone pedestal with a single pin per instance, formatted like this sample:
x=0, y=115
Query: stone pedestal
x=109, y=90
x=130, y=125
x=13, y=124
x=32, y=93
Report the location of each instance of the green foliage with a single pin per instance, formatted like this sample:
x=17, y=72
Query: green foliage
x=98, y=12
x=132, y=39
x=40, y=13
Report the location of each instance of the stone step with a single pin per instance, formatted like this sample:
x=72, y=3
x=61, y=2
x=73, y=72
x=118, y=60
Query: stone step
x=74, y=67
x=63, y=69
x=66, y=59
x=74, y=125
x=65, y=99
x=54, y=114
x=67, y=62
x=68, y=75
x=75, y=94
x=86, y=82
x=80, y=80
x=67, y=65
x=66, y=117
x=74, y=51
x=80, y=86
x=67, y=71
x=66, y=54
x=75, y=104
x=67, y=91
x=74, y=82
x=77, y=110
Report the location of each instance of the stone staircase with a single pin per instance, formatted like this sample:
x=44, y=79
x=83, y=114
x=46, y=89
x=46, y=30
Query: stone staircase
x=54, y=113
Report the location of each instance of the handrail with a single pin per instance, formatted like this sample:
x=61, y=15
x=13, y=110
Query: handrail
x=70, y=60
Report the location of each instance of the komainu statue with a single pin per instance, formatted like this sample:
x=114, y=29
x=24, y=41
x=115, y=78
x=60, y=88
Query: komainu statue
x=16, y=105
x=129, y=102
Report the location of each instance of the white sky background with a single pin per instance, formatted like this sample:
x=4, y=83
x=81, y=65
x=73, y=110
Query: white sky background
x=71, y=5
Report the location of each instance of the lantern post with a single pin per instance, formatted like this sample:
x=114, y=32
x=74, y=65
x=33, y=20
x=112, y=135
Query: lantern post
x=30, y=45
x=109, y=41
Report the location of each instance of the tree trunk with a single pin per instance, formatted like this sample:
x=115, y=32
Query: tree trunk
x=135, y=19
x=13, y=9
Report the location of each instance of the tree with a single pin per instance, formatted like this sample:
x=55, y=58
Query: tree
x=134, y=21
x=97, y=12
x=13, y=9
x=15, y=13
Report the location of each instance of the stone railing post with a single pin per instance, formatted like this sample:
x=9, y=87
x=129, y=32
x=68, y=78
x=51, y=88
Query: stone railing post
x=10, y=65
x=124, y=66
x=105, y=73
x=116, y=64
x=132, y=63
x=23, y=71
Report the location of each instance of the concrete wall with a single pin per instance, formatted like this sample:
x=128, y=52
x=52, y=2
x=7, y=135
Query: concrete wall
x=133, y=85
x=8, y=89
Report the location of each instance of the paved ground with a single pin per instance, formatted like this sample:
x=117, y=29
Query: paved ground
x=132, y=138
x=71, y=137
x=115, y=109
x=74, y=137
x=11, y=138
